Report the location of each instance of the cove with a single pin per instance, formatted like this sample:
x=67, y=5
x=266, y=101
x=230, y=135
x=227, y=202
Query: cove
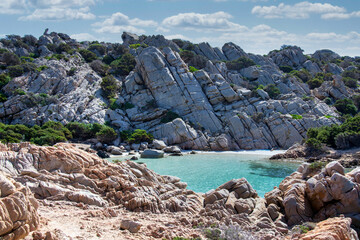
x=206, y=171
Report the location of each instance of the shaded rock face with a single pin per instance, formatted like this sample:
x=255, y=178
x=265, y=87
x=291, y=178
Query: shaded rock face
x=308, y=195
x=18, y=215
x=64, y=172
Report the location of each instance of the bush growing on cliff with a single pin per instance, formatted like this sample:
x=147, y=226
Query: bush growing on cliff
x=110, y=86
x=99, y=67
x=169, y=116
x=139, y=136
x=272, y=90
x=315, y=83
x=346, y=106
x=15, y=71
x=4, y=79
x=344, y=136
x=106, y=135
x=240, y=63
x=87, y=55
x=123, y=65
x=10, y=59
x=97, y=47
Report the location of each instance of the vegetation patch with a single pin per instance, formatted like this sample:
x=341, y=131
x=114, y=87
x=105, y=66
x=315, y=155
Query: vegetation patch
x=296, y=116
x=169, y=116
x=240, y=63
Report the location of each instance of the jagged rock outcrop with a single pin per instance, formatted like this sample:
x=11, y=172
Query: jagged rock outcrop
x=18, y=215
x=325, y=55
x=220, y=108
x=236, y=201
x=289, y=56
x=65, y=172
x=309, y=195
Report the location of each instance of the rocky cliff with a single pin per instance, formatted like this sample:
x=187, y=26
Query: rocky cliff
x=220, y=107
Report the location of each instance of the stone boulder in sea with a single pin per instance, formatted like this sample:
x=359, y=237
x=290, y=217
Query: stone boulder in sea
x=18, y=209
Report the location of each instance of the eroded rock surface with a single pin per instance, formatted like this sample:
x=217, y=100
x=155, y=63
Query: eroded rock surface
x=18, y=215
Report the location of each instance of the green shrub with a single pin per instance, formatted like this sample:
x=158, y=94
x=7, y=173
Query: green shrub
x=286, y=69
x=87, y=55
x=124, y=65
x=303, y=74
x=295, y=116
x=169, y=116
x=193, y=69
x=48, y=137
x=240, y=63
x=186, y=55
x=99, y=67
x=346, y=106
x=272, y=90
x=307, y=98
x=63, y=47
x=315, y=83
x=72, y=71
x=19, y=92
x=135, y=46
x=106, y=135
x=26, y=59
x=109, y=86
x=315, y=166
x=80, y=131
x=41, y=68
x=356, y=100
x=128, y=105
x=113, y=105
x=328, y=101
x=139, y=136
x=15, y=71
x=4, y=79
x=10, y=59
x=3, y=97
x=108, y=59
x=29, y=67
x=350, y=82
x=98, y=47
x=313, y=143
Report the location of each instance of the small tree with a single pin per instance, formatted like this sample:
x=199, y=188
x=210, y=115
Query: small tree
x=106, y=135
x=110, y=86
x=346, y=106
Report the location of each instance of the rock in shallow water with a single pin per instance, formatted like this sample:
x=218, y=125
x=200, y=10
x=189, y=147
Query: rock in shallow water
x=152, y=153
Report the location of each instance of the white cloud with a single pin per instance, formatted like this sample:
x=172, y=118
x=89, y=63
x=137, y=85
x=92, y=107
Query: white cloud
x=218, y=21
x=83, y=37
x=12, y=6
x=297, y=11
x=340, y=15
x=119, y=22
x=55, y=13
x=177, y=36
x=60, y=3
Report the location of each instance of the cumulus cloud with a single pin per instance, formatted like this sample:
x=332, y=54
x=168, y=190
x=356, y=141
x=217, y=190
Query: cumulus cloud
x=55, y=13
x=340, y=15
x=218, y=21
x=49, y=10
x=299, y=10
x=12, y=6
x=83, y=37
x=119, y=22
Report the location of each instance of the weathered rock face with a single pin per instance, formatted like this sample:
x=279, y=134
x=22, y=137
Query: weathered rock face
x=218, y=108
x=307, y=195
x=325, y=55
x=18, y=215
x=236, y=201
x=65, y=172
x=333, y=228
x=290, y=56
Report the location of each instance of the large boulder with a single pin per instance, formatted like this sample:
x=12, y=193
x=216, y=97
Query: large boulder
x=18, y=209
x=152, y=153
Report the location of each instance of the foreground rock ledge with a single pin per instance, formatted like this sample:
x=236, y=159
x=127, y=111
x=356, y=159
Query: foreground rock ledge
x=67, y=174
x=18, y=215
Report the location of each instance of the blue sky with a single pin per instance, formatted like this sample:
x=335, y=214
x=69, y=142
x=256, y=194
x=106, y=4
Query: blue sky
x=257, y=26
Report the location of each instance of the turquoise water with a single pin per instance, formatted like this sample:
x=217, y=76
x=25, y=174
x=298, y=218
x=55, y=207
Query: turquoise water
x=203, y=172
